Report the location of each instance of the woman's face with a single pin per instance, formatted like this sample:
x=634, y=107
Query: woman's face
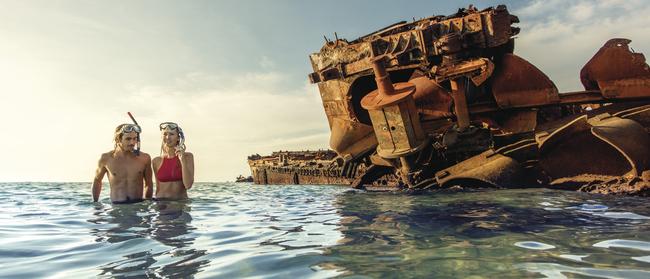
x=170, y=137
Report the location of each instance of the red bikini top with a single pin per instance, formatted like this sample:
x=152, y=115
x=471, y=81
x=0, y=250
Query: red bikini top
x=170, y=170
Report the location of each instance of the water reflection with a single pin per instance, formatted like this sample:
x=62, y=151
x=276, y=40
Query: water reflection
x=292, y=232
x=121, y=222
x=171, y=227
x=483, y=234
x=171, y=223
x=133, y=228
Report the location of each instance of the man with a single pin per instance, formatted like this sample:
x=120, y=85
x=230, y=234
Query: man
x=127, y=168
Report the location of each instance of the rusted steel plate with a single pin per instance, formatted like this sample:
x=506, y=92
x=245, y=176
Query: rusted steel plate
x=612, y=146
x=488, y=168
x=629, y=138
x=518, y=83
x=351, y=137
x=615, y=62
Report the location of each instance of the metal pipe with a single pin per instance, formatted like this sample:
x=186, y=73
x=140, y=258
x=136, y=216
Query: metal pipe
x=384, y=85
x=460, y=103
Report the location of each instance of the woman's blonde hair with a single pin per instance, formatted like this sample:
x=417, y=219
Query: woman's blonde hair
x=162, y=143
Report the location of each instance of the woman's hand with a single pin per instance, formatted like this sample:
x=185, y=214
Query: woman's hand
x=180, y=152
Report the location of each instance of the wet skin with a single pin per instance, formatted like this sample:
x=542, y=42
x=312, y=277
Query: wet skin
x=174, y=190
x=129, y=175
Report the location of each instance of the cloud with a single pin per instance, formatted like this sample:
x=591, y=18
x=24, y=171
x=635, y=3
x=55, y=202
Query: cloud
x=266, y=62
x=66, y=97
x=228, y=117
x=581, y=11
x=559, y=37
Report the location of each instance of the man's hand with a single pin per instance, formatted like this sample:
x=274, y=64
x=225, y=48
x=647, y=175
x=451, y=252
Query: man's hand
x=96, y=189
x=148, y=181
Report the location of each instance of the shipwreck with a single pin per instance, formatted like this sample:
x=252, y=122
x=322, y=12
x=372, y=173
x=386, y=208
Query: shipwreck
x=444, y=101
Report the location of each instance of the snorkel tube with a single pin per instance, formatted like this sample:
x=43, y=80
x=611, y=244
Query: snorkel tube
x=181, y=142
x=137, y=149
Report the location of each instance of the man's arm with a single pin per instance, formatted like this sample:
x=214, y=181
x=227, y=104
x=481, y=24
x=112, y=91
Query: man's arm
x=148, y=183
x=99, y=175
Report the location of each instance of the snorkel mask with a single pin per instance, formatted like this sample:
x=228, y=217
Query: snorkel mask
x=174, y=126
x=133, y=128
x=127, y=128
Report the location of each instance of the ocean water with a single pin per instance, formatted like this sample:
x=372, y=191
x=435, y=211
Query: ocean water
x=229, y=230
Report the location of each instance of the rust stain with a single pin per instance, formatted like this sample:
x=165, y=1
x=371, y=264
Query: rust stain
x=442, y=102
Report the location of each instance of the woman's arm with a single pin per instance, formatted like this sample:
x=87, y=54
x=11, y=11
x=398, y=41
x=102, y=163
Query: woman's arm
x=148, y=183
x=187, y=167
x=156, y=165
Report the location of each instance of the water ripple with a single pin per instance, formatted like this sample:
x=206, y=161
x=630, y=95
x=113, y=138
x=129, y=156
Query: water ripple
x=534, y=245
x=551, y=270
x=623, y=243
x=242, y=230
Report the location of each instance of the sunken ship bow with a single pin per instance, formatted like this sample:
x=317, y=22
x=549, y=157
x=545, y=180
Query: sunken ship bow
x=444, y=101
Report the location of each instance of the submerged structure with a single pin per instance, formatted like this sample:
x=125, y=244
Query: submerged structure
x=242, y=178
x=444, y=101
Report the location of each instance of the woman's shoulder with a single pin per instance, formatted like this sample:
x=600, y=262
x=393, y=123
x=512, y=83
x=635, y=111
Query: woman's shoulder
x=156, y=160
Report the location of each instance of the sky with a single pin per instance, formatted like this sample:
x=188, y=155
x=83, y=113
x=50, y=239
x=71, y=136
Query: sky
x=233, y=74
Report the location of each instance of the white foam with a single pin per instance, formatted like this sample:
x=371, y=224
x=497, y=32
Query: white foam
x=622, y=215
x=622, y=243
x=645, y=259
x=534, y=245
x=577, y=258
x=592, y=207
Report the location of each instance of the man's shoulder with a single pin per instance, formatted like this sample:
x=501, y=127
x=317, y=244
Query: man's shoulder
x=107, y=155
x=145, y=156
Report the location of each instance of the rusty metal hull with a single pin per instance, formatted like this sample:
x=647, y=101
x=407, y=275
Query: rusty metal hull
x=475, y=114
x=300, y=167
x=295, y=176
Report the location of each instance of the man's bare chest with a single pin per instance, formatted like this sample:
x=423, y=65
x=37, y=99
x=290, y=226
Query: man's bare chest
x=125, y=168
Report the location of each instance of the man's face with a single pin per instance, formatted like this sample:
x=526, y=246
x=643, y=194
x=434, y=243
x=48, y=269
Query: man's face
x=128, y=141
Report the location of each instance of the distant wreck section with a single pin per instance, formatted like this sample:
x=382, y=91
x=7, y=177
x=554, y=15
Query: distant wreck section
x=300, y=167
x=443, y=102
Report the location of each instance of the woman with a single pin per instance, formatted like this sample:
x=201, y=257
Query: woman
x=174, y=167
